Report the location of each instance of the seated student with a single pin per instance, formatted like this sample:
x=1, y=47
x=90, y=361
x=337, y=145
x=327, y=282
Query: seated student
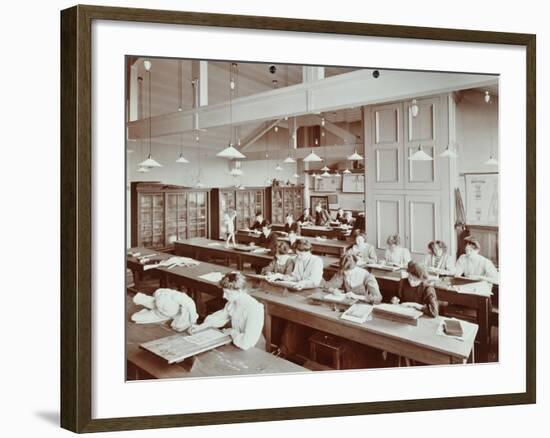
x=306, y=218
x=474, y=265
x=322, y=216
x=359, y=224
x=282, y=263
x=268, y=239
x=352, y=278
x=308, y=268
x=245, y=314
x=340, y=215
x=415, y=292
x=395, y=254
x=292, y=238
x=259, y=222
x=364, y=251
x=290, y=225
x=347, y=219
x=438, y=257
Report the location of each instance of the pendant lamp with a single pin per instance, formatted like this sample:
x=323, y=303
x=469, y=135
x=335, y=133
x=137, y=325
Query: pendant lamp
x=150, y=161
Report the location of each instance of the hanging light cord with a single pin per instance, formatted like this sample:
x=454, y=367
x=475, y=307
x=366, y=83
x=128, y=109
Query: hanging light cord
x=149, y=112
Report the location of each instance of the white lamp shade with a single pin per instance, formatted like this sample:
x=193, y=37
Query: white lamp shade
x=414, y=108
x=230, y=153
x=491, y=161
x=278, y=168
x=347, y=171
x=449, y=153
x=150, y=162
x=325, y=169
x=147, y=65
x=420, y=155
x=182, y=159
x=355, y=157
x=296, y=176
x=325, y=174
x=199, y=185
x=289, y=160
x=312, y=157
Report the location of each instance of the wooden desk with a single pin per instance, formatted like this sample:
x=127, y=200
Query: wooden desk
x=389, y=282
x=420, y=343
x=223, y=361
x=319, y=246
x=314, y=231
x=136, y=267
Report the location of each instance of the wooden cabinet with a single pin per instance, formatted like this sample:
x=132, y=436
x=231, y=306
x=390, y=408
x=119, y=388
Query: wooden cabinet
x=246, y=204
x=410, y=198
x=162, y=214
x=281, y=201
x=414, y=217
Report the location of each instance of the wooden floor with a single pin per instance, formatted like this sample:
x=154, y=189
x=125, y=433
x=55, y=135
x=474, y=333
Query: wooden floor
x=364, y=358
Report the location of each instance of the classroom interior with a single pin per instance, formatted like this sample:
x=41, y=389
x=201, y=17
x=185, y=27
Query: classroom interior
x=221, y=155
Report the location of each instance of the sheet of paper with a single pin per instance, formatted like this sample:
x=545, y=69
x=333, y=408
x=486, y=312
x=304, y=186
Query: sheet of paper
x=214, y=277
x=205, y=337
x=338, y=298
x=214, y=244
x=482, y=288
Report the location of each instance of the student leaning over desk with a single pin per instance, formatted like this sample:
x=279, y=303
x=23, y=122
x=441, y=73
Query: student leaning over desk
x=245, y=314
x=282, y=263
x=438, y=257
x=308, y=268
x=416, y=292
x=363, y=250
x=354, y=280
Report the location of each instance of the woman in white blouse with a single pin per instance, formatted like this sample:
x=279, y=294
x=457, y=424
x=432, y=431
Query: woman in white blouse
x=395, y=254
x=438, y=257
x=245, y=314
x=364, y=251
x=473, y=265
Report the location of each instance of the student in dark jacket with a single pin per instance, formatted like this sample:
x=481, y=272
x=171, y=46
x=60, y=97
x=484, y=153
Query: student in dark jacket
x=359, y=224
x=340, y=215
x=290, y=225
x=268, y=239
x=415, y=291
x=259, y=222
x=306, y=218
x=322, y=217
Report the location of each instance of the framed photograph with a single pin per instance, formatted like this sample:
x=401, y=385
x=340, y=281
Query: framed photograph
x=176, y=125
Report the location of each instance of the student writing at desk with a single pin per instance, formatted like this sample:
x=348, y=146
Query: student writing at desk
x=322, y=217
x=282, y=263
x=340, y=215
x=308, y=268
x=245, y=314
x=290, y=225
x=354, y=281
x=415, y=291
x=438, y=257
x=395, y=254
x=364, y=251
x=259, y=222
x=306, y=218
x=474, y=265
x=268, y=239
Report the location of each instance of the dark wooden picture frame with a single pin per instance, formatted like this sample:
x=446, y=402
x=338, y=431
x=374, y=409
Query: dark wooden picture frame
x=76, y=217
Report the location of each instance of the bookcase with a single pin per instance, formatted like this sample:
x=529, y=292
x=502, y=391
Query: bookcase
x=283, y=200
x=246, y=203
x=162, y=214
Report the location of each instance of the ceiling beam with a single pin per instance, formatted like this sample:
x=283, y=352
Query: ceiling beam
x=257, y=134
x=336, y=92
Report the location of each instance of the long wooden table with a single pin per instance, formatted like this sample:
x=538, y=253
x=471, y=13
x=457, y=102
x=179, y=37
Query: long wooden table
x=316, y=230
x=227, y=360
x=319, y=246
x=389, y=283
x=421, y=342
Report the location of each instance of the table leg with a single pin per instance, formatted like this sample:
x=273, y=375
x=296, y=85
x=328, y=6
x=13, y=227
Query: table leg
x=483, y=322
x=267, y=329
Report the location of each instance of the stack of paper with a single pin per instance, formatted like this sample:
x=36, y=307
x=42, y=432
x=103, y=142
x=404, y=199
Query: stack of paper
x=359, y=313
x=397, y=313
x=214, y=277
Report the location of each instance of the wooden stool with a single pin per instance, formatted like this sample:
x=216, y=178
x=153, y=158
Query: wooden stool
x=321, y=342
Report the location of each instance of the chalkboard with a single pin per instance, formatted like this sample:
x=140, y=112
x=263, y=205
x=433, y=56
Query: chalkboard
x=482, y=198
x=353, y=183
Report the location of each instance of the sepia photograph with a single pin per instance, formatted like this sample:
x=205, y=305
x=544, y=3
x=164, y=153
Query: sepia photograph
x=286, y=219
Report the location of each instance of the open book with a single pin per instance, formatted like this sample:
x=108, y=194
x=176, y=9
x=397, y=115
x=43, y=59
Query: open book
x=177, y=348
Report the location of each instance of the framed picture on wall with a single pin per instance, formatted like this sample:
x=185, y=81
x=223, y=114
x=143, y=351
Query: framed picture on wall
x=353, y=183
x=148, y=334
x=482, y=198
